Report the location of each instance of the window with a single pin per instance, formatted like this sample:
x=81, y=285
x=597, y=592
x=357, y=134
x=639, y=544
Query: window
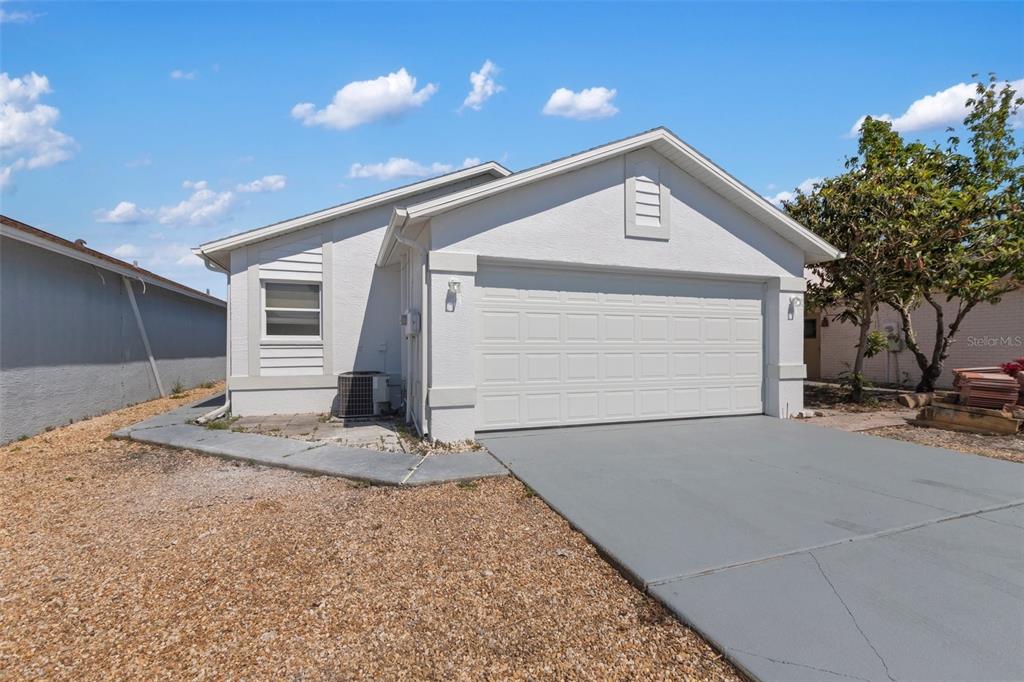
x=810, y=328
x=291, y=309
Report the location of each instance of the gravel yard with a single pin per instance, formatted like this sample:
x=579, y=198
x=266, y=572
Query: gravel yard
x=120, y=560
x=1001, y=447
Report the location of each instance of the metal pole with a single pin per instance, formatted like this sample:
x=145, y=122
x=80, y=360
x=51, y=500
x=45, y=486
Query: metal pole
x=142, y=332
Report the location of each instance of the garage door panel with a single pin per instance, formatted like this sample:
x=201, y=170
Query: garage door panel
x=581, y=367
x=542, y=367
x=618, y=328
x=618, y=366
x=499, y=326
x=613, y=348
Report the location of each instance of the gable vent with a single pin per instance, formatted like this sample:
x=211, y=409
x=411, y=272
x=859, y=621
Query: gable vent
x=647, y=196
x=647, y=199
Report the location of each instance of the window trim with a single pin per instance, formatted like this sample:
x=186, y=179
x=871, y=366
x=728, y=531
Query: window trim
x=268, y=339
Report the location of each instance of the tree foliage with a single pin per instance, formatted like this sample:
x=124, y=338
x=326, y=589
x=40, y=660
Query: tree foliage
x=922, y=223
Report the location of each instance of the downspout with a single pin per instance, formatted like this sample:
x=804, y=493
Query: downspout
x=424, y=318
x=142, y=333
x=213, y=266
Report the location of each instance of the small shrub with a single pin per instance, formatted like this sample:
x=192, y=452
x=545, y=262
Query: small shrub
x=177, y=389
x=222, y=424
x=467, y=485
x=207, y=384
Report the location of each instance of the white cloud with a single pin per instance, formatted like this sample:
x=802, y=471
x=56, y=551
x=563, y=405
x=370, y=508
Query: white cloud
x=396, y=167
x=484, y=86
x=582, y=105
x=361, y=102
x=158, y=257
x=203, y=207
x=29, y=139
x=179, y=75
x=126, y=251
x=139, y=163
x=807, y=186
x=268, y=183
x=944, y=108
x=125, y=213
x=17, y=16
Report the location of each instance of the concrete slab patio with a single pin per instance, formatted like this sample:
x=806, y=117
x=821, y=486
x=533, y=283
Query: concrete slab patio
x=801, y=552
x=174, y=429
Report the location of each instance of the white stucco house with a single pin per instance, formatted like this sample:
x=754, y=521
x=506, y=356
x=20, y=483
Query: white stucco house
x=633, y=281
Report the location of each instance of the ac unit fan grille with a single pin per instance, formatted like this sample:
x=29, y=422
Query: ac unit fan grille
x=355, y=394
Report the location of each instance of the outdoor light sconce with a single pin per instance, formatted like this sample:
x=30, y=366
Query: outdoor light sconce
x=794, y=303
x=454, y=289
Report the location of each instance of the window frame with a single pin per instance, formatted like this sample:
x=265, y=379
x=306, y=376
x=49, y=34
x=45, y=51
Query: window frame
x=266, y=338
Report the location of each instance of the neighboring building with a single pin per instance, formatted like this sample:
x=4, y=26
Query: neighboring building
x=989, y=336
x=82, y=333
x=633, y=281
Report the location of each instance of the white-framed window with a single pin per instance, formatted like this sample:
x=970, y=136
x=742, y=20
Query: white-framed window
x=291, y=310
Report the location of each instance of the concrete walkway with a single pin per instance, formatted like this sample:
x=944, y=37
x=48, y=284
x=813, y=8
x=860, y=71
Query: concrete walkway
x=802, y=553
x=174, y=429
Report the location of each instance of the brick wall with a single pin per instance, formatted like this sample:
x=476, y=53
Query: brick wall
x=989, y=335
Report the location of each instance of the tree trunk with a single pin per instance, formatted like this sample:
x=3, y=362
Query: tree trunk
x=943, y=338
x=931, y=366
x=857, y=380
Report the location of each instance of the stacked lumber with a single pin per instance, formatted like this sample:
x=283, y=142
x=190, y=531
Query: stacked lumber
x=985, y=389
x=969, y=419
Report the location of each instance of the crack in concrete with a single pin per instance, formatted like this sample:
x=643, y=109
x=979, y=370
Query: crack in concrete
x=413, y=470
x=841, y=541
x=853, y=618
x=781, y=661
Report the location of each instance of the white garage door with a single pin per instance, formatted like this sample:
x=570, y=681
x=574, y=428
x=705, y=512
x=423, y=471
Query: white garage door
x=555, y=347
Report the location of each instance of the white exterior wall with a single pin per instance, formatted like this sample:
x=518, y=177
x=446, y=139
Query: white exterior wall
x=361, y=306
x=580, y=219
x=452, y=394
x=989, y=336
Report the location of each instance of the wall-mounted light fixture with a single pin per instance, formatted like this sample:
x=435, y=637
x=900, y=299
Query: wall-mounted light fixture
x=452, y=297
x=794, y=303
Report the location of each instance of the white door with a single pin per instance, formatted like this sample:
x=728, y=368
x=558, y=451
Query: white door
x=557, y=347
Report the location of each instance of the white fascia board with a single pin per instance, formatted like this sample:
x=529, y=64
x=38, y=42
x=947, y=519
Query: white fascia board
x=277, y=229
x=106, y=265
x=816, y=248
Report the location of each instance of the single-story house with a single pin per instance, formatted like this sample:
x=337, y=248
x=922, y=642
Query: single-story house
x=990, y=335
x=633, y=281
x=83, y=333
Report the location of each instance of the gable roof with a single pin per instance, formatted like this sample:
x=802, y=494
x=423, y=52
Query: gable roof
x=662, y=140
x=23, y=232
x=213, y=251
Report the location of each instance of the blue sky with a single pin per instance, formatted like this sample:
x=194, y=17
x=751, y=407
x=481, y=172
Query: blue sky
x=183, y=117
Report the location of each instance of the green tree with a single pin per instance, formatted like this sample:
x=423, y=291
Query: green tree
x=862, y=211
x=963, y=239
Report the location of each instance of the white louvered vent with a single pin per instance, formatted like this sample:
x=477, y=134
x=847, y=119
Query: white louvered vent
x=647, y=200
x=647, y=196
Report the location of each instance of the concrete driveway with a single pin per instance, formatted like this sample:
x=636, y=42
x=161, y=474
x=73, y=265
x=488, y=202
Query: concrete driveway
x=803, y=553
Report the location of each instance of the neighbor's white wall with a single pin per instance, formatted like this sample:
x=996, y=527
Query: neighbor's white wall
x=989, y=336
x=580, y=218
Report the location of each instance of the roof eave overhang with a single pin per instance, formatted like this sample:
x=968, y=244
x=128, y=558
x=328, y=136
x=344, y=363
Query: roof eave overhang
x=218, y=248
x=668, y=144
x=108, y=265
